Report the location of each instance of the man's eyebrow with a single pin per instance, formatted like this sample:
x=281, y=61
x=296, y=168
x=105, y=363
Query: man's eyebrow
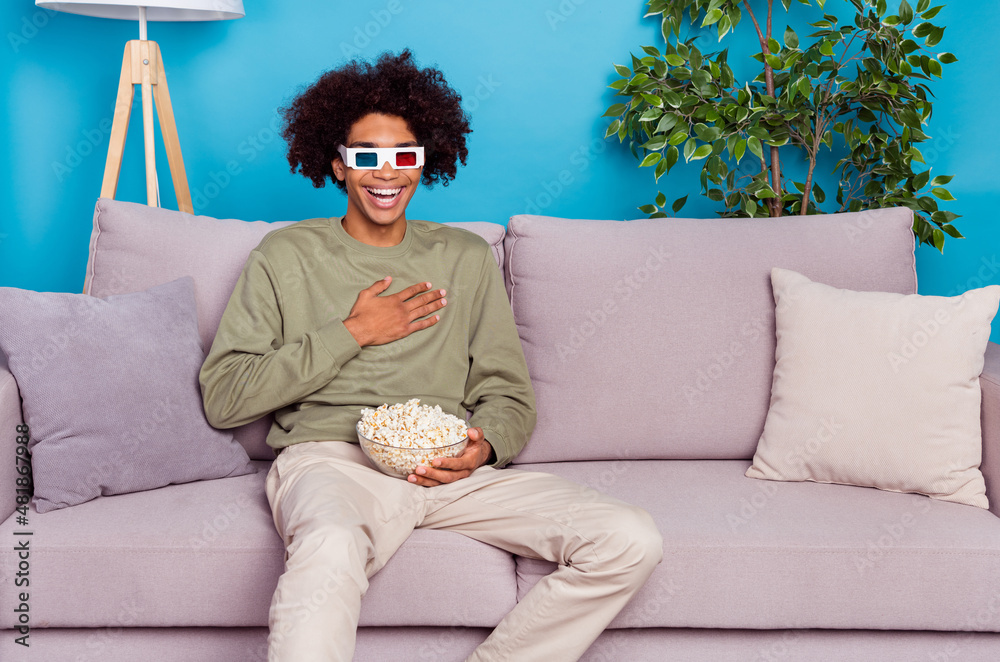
x=358, y=143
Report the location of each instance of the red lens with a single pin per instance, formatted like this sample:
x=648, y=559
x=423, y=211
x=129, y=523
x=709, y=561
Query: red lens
x=404, y=159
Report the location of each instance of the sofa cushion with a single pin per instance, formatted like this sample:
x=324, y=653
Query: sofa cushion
x=134, y=246
x=877, y=389
x=655, y=337
x=207, y=554
x=744, y=553
x=110, y=392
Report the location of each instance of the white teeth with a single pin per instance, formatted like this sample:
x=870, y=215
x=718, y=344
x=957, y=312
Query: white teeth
x=383, y=191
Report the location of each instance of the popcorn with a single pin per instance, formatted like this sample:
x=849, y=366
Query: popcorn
x=408, y=435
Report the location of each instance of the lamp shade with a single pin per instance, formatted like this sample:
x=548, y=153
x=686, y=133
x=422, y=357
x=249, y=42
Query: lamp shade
x=156, y=10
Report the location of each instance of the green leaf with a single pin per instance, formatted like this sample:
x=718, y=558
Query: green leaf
x=672, y=99
x=773, y=46
x=826, y=48
x=689, y=147
x=791, y=39
x=931, y=13
x=678, y=136
x=774, y=61
x=653, y=100
x=615, y=110
x=623, y=71
x=655, y=143
x=922, y=5
x=661, y=199
x=696, y=59
x=939, y=240
x=741, y=148
x=651, y=159
x=942, y=180
x=725, y=25
x=701, y=152
x=947, y=58
x=712, y=17
x=935, y=37
x=905, y=12
x=935, y=68
x=667, y=122
x=942, y=194
x=921, y=179
x=672, y=155
x=818, y=195
x=612, y=128
x=678, y=203
x=805, y=86
x=675, y=60
x=647, y=209
x=701, y=78
x=650, y=115
x=661, y=169
x=753, y=143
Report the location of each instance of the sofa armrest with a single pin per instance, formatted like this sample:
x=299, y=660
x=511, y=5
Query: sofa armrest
x=10, y=418
x=990, y=383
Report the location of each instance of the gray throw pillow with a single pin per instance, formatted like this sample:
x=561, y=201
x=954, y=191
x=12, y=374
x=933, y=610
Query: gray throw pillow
x=110, y=392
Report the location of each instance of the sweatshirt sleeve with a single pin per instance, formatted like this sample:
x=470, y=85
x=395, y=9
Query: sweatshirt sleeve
x=498, y=390
x=250, y=369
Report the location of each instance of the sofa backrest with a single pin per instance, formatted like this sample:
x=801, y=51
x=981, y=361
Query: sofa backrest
x=654, y=338
x=134, y=247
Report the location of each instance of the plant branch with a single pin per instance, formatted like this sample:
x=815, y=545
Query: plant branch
x=775, y=204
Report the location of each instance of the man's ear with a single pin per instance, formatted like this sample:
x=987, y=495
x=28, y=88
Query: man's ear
x=339, y=169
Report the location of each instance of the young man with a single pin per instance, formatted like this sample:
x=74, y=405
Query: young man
x=332, y=315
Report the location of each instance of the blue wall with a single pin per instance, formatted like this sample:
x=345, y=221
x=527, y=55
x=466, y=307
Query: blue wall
x=533, y=74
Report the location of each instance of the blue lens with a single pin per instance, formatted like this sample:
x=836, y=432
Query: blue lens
x=366, y=160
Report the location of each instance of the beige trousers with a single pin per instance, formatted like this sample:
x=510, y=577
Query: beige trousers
x=341, y=520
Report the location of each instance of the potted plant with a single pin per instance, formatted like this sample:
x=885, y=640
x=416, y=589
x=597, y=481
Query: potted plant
x=857, y=94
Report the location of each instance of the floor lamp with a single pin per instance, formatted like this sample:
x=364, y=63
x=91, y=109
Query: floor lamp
x=142, y=65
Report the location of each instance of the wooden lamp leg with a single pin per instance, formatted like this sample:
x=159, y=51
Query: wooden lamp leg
x=119, y=127
x=161, y=94
x=142, y=65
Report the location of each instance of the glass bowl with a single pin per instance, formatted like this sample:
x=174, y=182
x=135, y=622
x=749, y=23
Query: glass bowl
x=401, y=462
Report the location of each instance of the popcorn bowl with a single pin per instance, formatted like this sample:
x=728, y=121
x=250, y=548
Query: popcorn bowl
x=401, y=462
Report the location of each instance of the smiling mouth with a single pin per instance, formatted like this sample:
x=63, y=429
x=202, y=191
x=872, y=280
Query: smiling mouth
x=384, y=197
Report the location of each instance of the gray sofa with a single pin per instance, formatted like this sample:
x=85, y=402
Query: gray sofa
x=651, y=347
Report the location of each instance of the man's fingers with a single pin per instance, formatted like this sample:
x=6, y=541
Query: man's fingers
x=428, y=309
x=379, y=286
x=423, y=324
x=422, y=300
x=413, y=290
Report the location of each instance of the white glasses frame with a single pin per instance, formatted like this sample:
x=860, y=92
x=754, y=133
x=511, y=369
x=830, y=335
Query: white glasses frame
x=382, y=154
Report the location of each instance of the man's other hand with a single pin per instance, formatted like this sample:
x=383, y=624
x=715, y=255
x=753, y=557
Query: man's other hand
x=376, y=320
x=450, y=469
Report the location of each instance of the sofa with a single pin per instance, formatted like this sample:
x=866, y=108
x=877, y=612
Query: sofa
x=651, y=346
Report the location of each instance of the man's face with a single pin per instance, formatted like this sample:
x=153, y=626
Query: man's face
x=378, y=197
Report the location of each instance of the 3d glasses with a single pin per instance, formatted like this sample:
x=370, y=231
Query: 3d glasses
x=372, y=158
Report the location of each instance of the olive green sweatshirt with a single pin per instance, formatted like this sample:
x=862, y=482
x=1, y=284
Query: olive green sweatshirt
x=282, y=345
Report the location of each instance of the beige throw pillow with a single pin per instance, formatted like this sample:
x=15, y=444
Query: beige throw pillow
x=877, y=389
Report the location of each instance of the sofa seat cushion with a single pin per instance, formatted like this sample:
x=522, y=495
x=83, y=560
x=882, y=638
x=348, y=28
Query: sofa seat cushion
x=747, y=553
x=207, y=554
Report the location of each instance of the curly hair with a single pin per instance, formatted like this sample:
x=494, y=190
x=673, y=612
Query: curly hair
x=320, y=118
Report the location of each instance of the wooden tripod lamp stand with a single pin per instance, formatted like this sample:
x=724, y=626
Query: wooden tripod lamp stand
x=142, y=65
